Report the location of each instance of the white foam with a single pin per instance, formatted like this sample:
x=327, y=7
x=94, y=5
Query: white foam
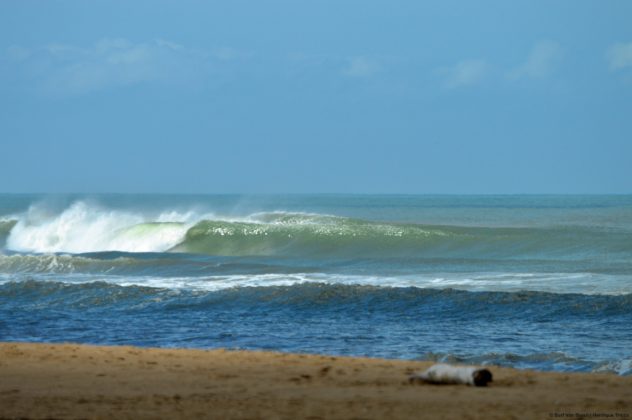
x=88, y=228
x=620, y=367
x=220, y=282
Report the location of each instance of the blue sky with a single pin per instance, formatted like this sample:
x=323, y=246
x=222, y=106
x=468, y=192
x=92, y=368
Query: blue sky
x=316, y=96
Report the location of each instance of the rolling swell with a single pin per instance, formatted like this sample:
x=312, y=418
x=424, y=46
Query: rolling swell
x=411, y=301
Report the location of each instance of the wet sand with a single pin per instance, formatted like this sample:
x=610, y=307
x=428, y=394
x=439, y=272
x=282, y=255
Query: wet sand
x=75, y=381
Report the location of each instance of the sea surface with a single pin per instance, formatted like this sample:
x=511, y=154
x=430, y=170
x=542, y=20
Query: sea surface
x=540, y=282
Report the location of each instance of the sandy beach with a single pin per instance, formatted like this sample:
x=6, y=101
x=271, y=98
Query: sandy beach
x=78, y=381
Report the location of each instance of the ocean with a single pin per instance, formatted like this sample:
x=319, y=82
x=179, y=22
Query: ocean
x=526, y=281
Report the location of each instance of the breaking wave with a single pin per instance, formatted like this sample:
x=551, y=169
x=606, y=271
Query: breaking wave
x=83, y=228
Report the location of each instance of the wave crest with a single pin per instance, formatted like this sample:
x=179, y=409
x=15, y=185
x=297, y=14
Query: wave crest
x=83, y=228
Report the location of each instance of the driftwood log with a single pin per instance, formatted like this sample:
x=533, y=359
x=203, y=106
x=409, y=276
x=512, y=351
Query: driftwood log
x=448, y=374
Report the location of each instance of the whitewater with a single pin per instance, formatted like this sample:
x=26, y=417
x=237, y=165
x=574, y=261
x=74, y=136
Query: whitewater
x=527, y=281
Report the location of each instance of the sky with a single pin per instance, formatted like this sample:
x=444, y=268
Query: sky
x=318, y=96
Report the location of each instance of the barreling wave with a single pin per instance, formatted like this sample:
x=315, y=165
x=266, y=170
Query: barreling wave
x=82, y=228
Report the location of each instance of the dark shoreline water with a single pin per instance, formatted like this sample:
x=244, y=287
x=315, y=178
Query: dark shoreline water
x=412, y=323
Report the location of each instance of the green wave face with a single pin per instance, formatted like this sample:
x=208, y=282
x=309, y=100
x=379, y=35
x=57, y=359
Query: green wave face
x=303, y=235
x=300, y=235
x=148, y=229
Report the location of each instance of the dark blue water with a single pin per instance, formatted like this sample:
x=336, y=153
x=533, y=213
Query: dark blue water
x=524, y=281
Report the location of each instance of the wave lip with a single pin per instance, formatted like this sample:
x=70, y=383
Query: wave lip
x=6, y=225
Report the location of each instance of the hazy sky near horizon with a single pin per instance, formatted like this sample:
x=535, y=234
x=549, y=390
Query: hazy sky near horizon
x=316, y=96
